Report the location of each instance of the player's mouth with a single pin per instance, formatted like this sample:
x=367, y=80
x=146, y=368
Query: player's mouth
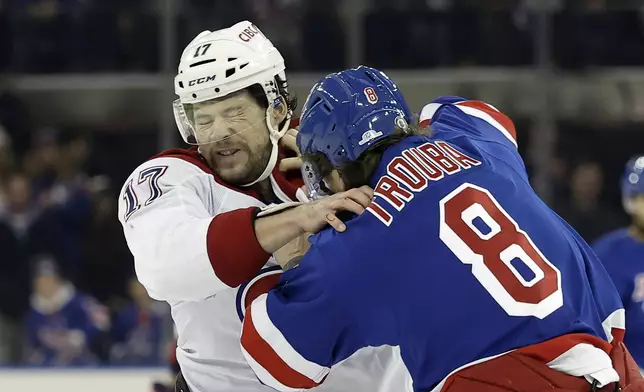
x=228, y=153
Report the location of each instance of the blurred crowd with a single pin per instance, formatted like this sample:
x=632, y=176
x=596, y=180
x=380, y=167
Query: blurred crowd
x=51, y=36
x=68, y=294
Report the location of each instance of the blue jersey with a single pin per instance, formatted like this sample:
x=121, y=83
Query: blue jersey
x=63, y=332
x=456, y=261
x=138, y=337
x=623, y=258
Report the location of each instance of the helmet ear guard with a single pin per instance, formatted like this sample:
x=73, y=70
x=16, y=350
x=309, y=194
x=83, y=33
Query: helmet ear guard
x=314, y=169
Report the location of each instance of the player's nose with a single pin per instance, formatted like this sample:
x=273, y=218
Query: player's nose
x=221, y=131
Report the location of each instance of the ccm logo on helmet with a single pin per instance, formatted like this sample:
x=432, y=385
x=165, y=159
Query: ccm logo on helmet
x=201, y=80
x=249, y=32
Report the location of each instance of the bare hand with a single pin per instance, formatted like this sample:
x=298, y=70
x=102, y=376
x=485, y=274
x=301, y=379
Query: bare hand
x=317, y=214
x=289, y=142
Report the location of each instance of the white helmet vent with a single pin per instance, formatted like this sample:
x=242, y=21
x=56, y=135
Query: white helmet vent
x=203, y=62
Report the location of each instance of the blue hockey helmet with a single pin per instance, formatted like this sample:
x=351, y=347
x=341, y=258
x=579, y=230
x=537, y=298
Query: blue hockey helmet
x=345, y=114
x=632, y=181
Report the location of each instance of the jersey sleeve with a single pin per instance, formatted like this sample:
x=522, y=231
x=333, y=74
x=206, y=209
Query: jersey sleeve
x=476, y=118
x=604, y=249
x=181, y=251
x=294, y=334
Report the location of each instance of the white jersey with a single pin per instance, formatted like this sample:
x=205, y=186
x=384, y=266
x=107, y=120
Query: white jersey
x=194, y=246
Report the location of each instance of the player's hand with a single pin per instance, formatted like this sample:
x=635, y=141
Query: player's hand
x=289, y=142
x=314, y=216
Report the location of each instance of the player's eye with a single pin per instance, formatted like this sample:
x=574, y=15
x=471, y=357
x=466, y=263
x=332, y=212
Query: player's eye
x=203, y=120
x=234, y=113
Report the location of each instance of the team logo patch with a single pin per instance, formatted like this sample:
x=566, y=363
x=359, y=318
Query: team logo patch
x=371, y=95
x=401, y=123
x=369, y=136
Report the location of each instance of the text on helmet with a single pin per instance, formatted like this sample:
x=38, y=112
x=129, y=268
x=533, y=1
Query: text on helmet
x=249, y=32
x=201, y=80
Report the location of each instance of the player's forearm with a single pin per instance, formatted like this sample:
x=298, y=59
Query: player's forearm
x=233, y=249
x=275, y=231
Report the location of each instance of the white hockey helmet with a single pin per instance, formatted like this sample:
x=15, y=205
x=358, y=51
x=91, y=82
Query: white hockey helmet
x=225, y=61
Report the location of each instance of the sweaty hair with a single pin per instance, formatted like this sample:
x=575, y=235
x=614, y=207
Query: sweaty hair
x=257, y=92
x=359, y=172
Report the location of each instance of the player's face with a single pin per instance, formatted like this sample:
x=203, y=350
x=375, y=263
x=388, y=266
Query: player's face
x=638, y=210
x=46, y=285
x=18, y=194
x=233, y=137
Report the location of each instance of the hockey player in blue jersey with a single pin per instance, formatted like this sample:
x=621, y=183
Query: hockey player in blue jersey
x=457, y=263
x=622, y=252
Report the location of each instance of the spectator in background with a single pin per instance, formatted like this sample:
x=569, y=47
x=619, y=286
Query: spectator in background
x=14, y=271
x=68, y=201
x=622, y=252
x=584, y=210
x=14, y=118
x=64, y=327
x=108, y=267
x=23, y=232
x=61, y=194
x=41, y=160
x=6, y=158
x=140, y=330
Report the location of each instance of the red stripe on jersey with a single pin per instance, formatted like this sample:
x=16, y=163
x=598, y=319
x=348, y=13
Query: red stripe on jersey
x=498, y=116
x=543, y=352
x=233, y=250
x=263, y=354
x=551, y=349
x=618, y=335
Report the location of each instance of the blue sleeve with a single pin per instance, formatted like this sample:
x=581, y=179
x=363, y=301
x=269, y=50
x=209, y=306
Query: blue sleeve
x=292, y=335
x=122, y=325
x=604, y=249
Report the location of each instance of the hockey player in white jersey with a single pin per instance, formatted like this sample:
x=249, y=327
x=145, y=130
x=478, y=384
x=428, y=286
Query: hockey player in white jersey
x=203, y=223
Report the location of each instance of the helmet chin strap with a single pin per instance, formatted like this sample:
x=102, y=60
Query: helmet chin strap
x=272, y=161
x=275, y=135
